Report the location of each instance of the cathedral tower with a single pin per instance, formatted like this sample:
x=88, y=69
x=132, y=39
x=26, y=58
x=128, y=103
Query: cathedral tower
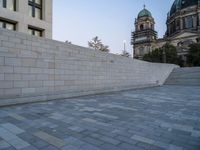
x=144, y=34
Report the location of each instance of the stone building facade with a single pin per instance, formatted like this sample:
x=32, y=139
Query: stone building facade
x=144, y=34
x=28, y=16
x=183, y=29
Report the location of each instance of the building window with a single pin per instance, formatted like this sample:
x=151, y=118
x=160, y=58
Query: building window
x=7, y=25
x=35, y=8
x=188, y=22
x=198, y=40
x=141, y=27
x=8, y=4
x=177, y=24
x=35, y=31
x=141, y=51
x=172, y=27
x=152, y=27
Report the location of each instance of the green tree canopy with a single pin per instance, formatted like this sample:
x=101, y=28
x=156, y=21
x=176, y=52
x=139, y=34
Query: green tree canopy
x=154, y=56
x=194, y=55
x=166, y=53
x=171, y=53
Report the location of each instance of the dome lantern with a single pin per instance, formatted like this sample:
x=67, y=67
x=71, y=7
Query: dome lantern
x=144, y=13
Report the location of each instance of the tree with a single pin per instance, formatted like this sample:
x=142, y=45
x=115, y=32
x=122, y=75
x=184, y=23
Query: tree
x=154, y=56
x=104, y=48
x=194, y=54
x=171, y=53
x=95, y=43
x=98, y=45
x=125, y=53
x=167, y=54
x=68, y=42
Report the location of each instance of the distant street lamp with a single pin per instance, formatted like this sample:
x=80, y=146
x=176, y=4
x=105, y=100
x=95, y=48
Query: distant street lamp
x=124, y=45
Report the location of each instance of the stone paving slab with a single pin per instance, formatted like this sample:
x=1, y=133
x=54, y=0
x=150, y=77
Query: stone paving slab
x=16, y=116
x=12, y=128
x=4, y=145
x=50, y=139
x=161, y=118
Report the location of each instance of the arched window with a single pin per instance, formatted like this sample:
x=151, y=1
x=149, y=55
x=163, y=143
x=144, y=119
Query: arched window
x=152, y=27
x=172, y=27
x=141, y=27
x=198, y=40
x=177, y=24
x=179, y=44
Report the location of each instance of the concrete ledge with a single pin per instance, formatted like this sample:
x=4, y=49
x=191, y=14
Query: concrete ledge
x=63, y=95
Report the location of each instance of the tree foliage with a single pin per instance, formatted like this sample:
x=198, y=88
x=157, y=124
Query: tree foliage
x=125, y=53
x=194, y=55
x=96, y=44
x=171, y=53
x=154, y=56
x=167, y=52
x=68, y=42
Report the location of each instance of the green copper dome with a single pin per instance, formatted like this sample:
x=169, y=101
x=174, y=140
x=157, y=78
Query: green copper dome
x=144, y=13
x=181, y=4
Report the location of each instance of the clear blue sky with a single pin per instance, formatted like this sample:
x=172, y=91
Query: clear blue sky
x=79, y=21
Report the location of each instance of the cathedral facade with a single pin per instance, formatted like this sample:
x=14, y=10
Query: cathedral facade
x=183, y=29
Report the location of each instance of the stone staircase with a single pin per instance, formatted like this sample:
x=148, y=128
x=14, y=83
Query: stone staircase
x=184, y=76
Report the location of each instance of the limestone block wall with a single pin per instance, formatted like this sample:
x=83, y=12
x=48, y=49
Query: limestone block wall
x=37, y=69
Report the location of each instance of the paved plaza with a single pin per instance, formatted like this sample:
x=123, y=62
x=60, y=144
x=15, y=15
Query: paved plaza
x=158, y=118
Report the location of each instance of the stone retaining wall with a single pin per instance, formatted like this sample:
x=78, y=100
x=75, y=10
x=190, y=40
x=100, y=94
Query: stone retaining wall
x=37, y=69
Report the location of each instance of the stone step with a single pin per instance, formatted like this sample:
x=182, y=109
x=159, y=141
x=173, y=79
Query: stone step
x=184, y=76
x=188, y=69
x=184, y=82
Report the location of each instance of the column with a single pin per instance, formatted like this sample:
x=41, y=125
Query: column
x=199, y=18
x=199, y=3
x=199, y=21
x=47, y=13
x=198, y=15
x=22, y=8
x=181, y=23
x=194, y=18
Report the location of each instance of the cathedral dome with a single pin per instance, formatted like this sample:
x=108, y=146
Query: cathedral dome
x=144, y=13
x=181, y=4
